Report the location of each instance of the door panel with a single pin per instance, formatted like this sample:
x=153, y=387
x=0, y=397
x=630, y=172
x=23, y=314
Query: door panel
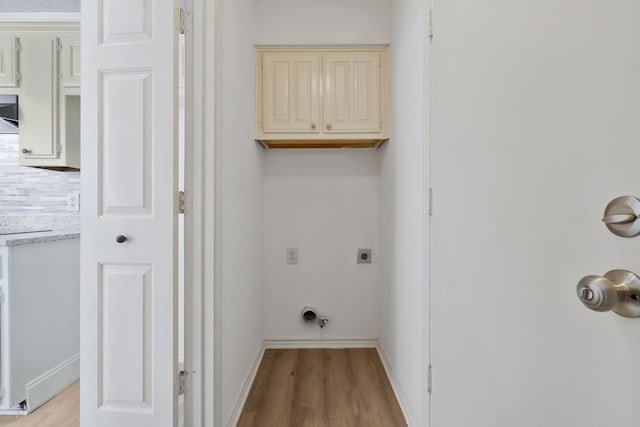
x=291, y=92
x=39, y=133
x=8, y=61
x=352, y=92
x=70, y=60
x=535, y=130
x=129, y=185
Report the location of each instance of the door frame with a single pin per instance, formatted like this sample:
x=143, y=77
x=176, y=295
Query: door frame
x=202, y=201
x=428, y=245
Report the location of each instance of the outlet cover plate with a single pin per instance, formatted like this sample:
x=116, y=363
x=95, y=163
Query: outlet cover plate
x=364, y=256
x=292, y=255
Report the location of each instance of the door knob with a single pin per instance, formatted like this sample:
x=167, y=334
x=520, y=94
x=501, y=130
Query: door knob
x=621, y=216
x=328, y=125
x=313, y=125
x=121, y=239
x=617, y=290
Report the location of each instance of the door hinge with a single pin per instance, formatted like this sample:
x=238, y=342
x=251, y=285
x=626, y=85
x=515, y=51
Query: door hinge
x=181, y=202
x=430, y=202
x=429, y=25
x=185, y=382
x=429, y=379
x=18, y=44
x=1, y=298
x=186, y=21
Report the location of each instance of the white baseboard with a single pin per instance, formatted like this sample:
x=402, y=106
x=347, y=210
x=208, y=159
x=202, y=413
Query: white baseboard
x=246, y=387
x=400, y=397
x=52, y=382
x=352, y=343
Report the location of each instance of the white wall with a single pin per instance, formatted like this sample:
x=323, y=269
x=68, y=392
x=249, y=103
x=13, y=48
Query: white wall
x=405, y=254
x=241, y=183
x=322, y=22
x=324, y=202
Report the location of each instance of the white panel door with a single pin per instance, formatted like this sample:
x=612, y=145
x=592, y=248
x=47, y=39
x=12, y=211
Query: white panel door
x=291, y=92
x=535, y=129
x=129, y=218
x=352, y=92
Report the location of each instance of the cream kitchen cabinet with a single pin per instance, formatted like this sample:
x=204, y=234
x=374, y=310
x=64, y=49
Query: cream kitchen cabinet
x=48, y=65
x=321, y=97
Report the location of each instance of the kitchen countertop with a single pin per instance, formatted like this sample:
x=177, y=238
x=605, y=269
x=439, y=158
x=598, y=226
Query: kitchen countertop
x=39, y=237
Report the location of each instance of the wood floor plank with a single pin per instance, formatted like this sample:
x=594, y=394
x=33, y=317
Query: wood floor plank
x=321, y=388
x=61, y=411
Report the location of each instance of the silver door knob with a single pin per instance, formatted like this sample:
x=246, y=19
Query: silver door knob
x=617, y=290
x=121, y=239
x=328, y=125
x=26, y=151
x=621, y=216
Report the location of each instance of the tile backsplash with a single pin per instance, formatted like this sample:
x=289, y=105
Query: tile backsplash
x=32, y=191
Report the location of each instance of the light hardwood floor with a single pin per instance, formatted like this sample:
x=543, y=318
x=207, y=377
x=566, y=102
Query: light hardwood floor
x=321, y=388
x=61, y=411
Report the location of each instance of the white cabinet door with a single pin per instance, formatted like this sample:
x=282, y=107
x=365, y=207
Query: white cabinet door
x=129, y=340
x=70, y=61
x=39, y=133
x=9, y=64
x=352, y=92
x=534, y=132
x=291, y=100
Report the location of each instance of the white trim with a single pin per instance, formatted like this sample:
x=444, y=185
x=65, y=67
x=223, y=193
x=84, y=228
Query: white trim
x=427, y=242
x=40, y=17
x=246, y=387
x=52, y=382
x=340, y=343
x=400, y=397
x=212, y=199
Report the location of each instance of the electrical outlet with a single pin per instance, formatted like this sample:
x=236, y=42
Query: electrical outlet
x=73, y=201
x=292, y=255
x=364, y=256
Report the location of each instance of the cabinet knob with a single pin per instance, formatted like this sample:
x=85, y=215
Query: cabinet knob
x=328, y=125
x=313, y=125
x=121, y=239
x=26, y=151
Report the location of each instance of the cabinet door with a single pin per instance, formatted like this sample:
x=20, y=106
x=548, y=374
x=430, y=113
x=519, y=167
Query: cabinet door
x=70, y=61
x=9, y=61
x=352, y=92
x=39, y=101
x=291, y=98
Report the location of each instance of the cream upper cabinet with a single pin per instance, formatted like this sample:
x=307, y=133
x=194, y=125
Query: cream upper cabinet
x=70, y=61
x=38, y=102
x=9, y=72
x=352, y=92
x=45, y=62
x=291, y=101
x=321, y=97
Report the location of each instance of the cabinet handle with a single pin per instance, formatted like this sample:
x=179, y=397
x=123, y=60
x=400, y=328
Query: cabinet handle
x=26, y=151
x=121, y=239
x=313, y=125
x=328, y=125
